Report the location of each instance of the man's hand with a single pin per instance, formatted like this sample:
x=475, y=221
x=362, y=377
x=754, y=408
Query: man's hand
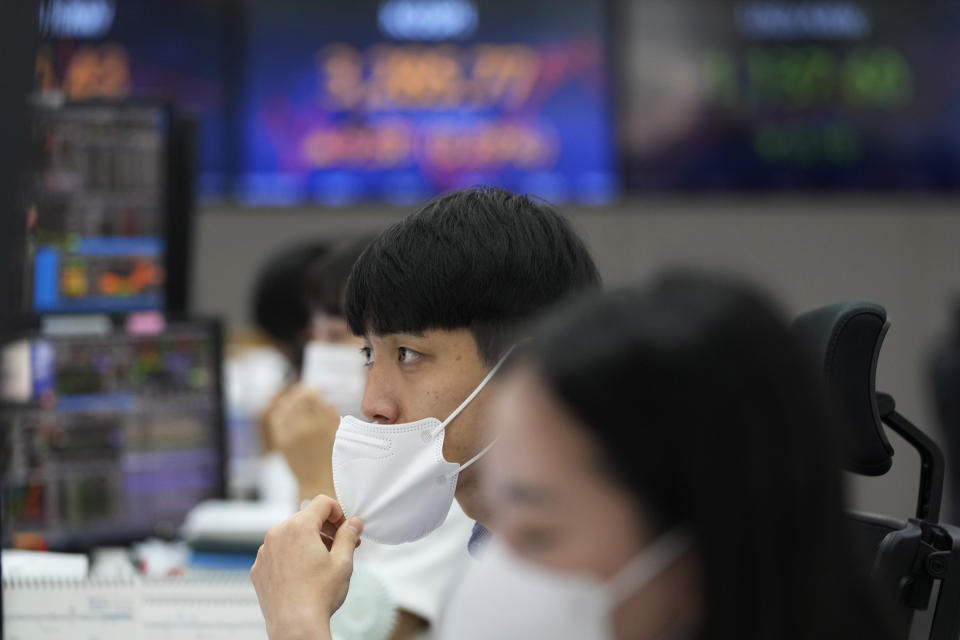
x=303, y=427
x=303, y=569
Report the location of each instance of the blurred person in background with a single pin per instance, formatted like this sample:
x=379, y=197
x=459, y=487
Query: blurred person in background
x=439, y=300
x=680, y=424
x=260, y=365
x=280, y=301
x=300, y=420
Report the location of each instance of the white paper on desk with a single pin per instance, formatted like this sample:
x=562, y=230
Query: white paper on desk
x=43, y=564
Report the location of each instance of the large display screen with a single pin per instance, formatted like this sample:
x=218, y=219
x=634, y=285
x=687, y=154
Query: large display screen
x=397, y=100
x=402, y=99
x=733, y=94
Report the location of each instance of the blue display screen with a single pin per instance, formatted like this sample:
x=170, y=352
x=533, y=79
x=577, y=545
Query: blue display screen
x=99, y=274
x=400, y=100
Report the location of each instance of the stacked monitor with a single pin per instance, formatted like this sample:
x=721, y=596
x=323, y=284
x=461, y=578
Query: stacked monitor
x=110, y=397
x=114, y=428
x=98, y=208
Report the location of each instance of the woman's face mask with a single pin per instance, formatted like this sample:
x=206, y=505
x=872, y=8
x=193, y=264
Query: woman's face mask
x=507, y=597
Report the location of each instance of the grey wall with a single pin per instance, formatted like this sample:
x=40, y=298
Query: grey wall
x=809, y=251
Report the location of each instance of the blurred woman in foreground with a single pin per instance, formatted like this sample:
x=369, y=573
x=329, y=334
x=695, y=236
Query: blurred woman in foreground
x=665, y=469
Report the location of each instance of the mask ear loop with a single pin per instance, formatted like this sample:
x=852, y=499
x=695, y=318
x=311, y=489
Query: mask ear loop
x=463, y=405
x=651, y=561
x=477, y=457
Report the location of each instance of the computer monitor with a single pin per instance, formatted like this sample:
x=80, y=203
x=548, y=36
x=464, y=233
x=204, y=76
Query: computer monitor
x=113, y=428
x=106, y=209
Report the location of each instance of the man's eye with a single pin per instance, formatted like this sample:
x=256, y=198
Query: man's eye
x=407, y=355
x=367, y=354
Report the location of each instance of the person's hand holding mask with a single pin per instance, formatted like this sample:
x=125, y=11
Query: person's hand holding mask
x=303, y=570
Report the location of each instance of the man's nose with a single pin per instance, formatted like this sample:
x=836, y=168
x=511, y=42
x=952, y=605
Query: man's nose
x=379, y=403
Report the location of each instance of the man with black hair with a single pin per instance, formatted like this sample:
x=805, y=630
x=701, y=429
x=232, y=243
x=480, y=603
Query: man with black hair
x=439, y=299
x=301, y=423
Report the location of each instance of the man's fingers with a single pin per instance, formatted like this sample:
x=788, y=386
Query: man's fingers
x=327, y=533
x=321, y=510
x=347, y=538
x=328, y=530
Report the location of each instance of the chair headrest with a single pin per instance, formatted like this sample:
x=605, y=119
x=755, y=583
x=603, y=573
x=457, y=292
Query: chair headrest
x=844, y=340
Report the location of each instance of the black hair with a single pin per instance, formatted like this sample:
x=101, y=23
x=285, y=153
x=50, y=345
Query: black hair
x=278, y=305
x=325, y=284
x=481, y=258
x=704, y=407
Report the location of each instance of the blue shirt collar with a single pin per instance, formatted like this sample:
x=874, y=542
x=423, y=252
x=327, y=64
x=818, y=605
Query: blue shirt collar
x=478, y=538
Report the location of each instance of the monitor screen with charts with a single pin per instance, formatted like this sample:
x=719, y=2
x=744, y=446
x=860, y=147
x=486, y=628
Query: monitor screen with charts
x=103, y=206
x=112, y=433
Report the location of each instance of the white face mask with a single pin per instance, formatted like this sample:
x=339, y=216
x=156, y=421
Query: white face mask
x=336, y=371
x=394, y=476
x=506, y=597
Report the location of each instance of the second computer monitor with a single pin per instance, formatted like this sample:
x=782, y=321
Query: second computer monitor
x=110, y=435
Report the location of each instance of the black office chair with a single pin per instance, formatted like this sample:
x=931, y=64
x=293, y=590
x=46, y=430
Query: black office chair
x=912, y=555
